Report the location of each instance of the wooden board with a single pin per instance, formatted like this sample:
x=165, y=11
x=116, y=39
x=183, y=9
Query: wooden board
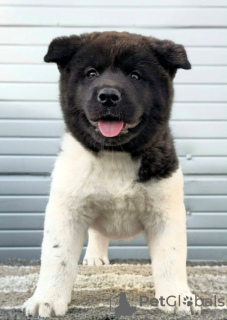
x=126, y=17
x=115, y=3
x=21, y=54
x=195, y=37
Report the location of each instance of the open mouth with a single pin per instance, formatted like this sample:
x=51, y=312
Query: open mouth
x=113, y=128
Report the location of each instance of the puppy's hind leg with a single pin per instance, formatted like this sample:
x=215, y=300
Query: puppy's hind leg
x=97, y=249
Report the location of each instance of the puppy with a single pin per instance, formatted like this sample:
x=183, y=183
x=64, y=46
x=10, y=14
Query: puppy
x=117, y=173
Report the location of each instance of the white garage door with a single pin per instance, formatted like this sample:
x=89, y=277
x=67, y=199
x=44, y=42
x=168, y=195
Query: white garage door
x=31, y=123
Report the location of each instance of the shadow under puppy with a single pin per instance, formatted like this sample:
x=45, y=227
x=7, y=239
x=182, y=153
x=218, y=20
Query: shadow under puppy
x=117, y=174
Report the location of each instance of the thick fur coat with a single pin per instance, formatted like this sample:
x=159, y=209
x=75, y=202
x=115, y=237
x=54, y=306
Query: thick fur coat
x=117, y=174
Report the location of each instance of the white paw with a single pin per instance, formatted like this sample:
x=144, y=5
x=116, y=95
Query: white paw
x=182, y=303
x=45, y=307
x=95, y=261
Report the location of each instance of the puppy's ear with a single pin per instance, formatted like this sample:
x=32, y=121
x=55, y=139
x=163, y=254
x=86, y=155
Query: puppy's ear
x=62, y=49
x=171, y=56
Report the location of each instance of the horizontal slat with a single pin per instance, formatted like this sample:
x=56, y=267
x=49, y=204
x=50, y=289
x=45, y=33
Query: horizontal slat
x=209, y=253
x=194, y=237
x=51, y=110
x=34, y=221
x=49, y=92
x=23, y=204
x=209, y=220
x=21, y=221
x=49, y=128
x=200, y=253
x=213, y=185
x=33, y=110
x=42, y=36
x=49, y=73
x=207, y=56
x=128, y=17
x=202, y=75
x=29, y=91
x=34, y=238
x=26, y=164
x=38, y=185
x=21, y=238
x=24, y=185
x=45, y=164
x=22, y=54
x=29, y=146
x=45, y=146
x=38, y=203
x=199, y=129
x=206, y=203
x=29, y=73
x=199, y=111
x=116, y=3
x=202, y=165
x=31, y=128
x=198, y=147
x=35, y=54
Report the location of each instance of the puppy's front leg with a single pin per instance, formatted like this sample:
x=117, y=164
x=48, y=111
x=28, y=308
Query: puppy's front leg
x=64, y=235
x=168, y=254
x=168, y=247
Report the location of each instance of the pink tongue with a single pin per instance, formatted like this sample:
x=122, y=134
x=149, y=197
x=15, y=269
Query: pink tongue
x=110, y=128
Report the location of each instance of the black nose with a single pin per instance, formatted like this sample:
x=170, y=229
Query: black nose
x=109, y=96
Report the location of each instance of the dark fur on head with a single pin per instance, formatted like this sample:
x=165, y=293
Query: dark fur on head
x=147, y=99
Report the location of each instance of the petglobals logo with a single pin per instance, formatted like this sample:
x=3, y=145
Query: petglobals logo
x=124, y=308
x=172, y=301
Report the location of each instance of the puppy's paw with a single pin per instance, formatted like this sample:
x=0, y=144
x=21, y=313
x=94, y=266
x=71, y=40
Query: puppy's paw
x=95, y=261
x=179, y=303
x=44, y=307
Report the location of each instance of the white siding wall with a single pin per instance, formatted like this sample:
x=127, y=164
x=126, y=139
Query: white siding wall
x=31, y=122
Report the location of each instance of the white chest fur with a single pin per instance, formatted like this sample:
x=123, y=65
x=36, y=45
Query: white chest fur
x=103, y=187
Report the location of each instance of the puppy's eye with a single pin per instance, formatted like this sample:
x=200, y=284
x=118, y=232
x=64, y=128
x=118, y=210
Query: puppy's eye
x=135, y=76
x=92, y=74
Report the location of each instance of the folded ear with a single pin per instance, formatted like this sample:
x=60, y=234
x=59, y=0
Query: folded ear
x=171, y=56
x=62, y=49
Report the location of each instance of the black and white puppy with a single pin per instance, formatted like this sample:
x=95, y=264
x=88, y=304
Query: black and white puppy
x=117, y=174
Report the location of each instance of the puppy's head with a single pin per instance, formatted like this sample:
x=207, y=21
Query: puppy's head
x=115, y=88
